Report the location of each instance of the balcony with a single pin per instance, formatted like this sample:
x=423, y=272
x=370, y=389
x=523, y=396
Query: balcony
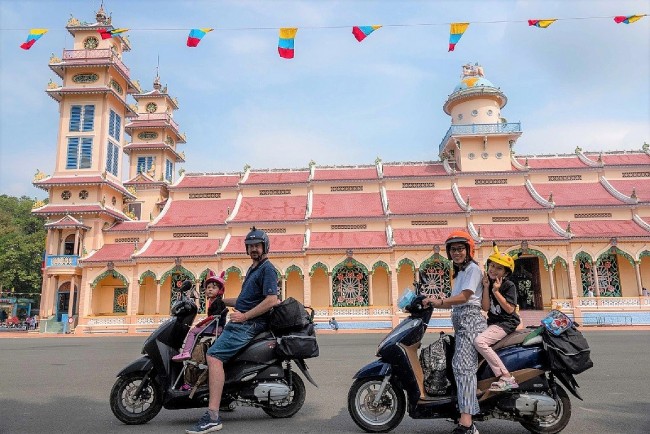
x=93, y=57
x=61, y=260
x=480, y=129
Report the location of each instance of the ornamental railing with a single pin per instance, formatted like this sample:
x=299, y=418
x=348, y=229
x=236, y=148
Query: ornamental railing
x=604, y=303
x=498, y=128
x=328, y=312
x=95, y=55
x=61, y=260
x=157, y=117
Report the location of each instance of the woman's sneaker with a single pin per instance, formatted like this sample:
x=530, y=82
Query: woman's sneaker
x=504, y=384
x=206, y=424
x=461, y=429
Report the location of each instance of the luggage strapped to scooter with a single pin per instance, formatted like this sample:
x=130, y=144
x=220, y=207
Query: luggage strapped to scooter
x=294, y=327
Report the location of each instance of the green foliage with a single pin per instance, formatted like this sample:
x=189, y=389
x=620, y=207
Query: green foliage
x=22, y=242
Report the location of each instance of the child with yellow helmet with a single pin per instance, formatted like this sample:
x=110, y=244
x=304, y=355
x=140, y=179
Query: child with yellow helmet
x=500, y=301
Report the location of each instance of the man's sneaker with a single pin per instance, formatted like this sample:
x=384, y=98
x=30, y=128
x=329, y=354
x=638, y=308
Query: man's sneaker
x=205, y=425
x=460, y=429
x=504, y=384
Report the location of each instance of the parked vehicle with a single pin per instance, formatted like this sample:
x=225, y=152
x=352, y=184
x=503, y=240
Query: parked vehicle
x=384, y=390
x=256, y=376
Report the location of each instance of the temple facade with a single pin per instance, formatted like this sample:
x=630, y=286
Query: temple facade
x=344, y=240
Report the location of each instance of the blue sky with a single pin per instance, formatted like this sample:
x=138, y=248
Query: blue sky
x=339, y=102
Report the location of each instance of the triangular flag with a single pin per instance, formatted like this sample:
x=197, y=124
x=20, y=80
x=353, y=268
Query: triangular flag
x=456, y=31
x=195, y=36
x=34, y=35
x=541, y=23
x=628, y=19
x=285, y=45
x=108, y=34
x=361, y=32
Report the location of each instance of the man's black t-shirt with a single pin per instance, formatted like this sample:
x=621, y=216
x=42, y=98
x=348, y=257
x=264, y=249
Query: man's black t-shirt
x=496, y=315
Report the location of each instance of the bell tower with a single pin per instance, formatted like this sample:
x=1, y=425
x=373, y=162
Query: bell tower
x=479, y=139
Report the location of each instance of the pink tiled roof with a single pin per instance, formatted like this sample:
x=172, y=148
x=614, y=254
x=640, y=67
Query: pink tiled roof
x=112, y=252
x=632, y=159
x=423, y=236
x=555, y=162
x=208, y=181
x=605, y=229
x=80, y=180
x=345, y=174
x=272, y=208
x=66, y=222
x=413, y=170
x=132, y=226
x=341, y=205
x=499, y=197
x=348, y=240
x=522, y=231
x=577, y=194
x=180, y=248
x=280, y=243
x=422, y=202
x=196, y=212
x=640, y=185
x=78, y=209
x=278, y=177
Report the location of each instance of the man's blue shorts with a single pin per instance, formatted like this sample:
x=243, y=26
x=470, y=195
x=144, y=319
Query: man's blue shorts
x=234, y=337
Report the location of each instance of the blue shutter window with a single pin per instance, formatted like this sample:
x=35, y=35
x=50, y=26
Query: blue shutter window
x=169, y=169
x=88, y=118
x=109, y=158
x=116, y=158
x=111, y=123
x=114, y=125
x=73, y=149
x=141, y=165
x=75, y=117
x=86, y=153
x=118, y=127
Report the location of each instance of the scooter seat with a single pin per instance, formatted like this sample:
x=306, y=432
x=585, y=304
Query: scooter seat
x=515, y=338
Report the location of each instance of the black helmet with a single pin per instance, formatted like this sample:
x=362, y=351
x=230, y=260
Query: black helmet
x=258, y=236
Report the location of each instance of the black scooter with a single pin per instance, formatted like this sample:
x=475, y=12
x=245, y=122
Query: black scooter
x=377, y=401
x=256, y=376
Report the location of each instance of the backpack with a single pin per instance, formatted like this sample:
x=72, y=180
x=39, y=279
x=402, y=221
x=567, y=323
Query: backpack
x=298, y=344
x=196, y=368
x=290, y=315
x=433, y=360
x=568, y=352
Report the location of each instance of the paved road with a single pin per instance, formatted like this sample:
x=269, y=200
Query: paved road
x=61, y=385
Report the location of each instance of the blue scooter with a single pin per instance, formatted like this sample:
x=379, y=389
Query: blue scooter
x=385, y=389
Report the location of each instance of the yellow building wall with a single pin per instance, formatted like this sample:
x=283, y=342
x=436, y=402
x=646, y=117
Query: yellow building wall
x=381, y=287
x=103, y=295
x=295, y=287
x=645, y=272
x=628, y=277
x=320, y=289
x=562, y=287
x=405, y=279
x=147, y=302
x=233, y=285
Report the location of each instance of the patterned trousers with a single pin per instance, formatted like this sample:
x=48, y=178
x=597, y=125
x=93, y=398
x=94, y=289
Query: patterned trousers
x=468, y=324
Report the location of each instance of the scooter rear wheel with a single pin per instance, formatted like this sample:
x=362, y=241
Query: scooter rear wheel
x=134, y=410
x=382, y=417
x=556, y=422
x=293, y=403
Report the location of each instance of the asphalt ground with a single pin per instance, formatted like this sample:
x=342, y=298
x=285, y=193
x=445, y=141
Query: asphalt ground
x=61, y=385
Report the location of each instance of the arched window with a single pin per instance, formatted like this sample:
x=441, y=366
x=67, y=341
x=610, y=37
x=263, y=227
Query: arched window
x=609, y=282
x=434, y=277
x=350, y=284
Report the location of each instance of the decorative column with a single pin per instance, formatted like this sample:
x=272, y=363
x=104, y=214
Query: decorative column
x=73, y=280
x=77, y=247
x=306, y=289
x=283, y=284
x=157, y=311
x=394, y=293
x=47, y=299
x=59, y=242
x=573, y=284
x=551, y=278
x=371, y=300
x=55, y=293
x=637, y=272
x=331, y=291
x=594, y=266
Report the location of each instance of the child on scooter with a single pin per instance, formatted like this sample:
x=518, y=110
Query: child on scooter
x=214, y=290
x=500, y=302
x=468, y=322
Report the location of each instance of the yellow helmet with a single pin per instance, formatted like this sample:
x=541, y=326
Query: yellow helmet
x=502, y=259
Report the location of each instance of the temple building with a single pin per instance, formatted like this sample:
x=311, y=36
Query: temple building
x=345, y=240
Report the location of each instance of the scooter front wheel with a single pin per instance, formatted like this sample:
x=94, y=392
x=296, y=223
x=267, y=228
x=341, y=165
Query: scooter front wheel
x=373, y=415
x=135, y=409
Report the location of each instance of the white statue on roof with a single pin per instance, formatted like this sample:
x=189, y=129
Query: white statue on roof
x=470, y=70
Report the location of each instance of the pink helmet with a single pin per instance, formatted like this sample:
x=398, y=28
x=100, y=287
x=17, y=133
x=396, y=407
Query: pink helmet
x=219, y=280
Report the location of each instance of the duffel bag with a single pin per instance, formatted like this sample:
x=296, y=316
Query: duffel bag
x=289, y=315
x=297, y=347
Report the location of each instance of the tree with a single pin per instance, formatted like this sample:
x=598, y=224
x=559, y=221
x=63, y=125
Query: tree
x=22, y=243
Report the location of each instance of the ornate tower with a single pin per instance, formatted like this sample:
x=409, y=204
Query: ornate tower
x=479, y=139
x=153, y=151
x=85, y=191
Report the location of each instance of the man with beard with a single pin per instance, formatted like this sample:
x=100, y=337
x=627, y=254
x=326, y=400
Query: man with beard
x=250, y=317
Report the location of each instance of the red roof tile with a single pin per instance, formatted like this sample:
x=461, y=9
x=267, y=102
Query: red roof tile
x=272, y=208
x=341, y=205
x=518, y=231
x=196, y=212
x=112, y=252
x=492, y=197
x=577, y=194
x=605, y=229
x=345, y=174
x=422, y=202
x=78, y=209
x=640, y=185
x=66, y=222
x=621, y=159
x=348, y=240
x=280, y=243
x=180, y=248
x=132, y=226
x=554, y=162
x=413, y=170
x=80, y=180
x=423, y=236
x=278, y=177
x=208, y=181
